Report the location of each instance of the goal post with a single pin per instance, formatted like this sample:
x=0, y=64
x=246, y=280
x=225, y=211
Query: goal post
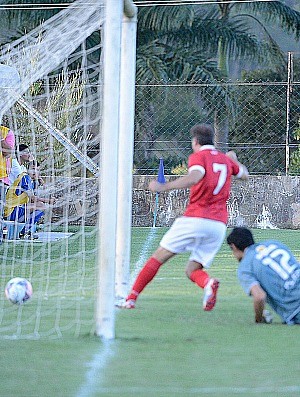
x=126, y=147
x=116, y=159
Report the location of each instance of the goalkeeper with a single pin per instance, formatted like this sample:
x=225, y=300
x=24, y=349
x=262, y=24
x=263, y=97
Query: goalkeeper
x=269, y=272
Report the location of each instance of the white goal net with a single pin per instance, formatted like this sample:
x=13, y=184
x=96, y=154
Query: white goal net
x=55, y=111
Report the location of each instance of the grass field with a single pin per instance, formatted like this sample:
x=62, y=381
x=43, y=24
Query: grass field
x=167, y=346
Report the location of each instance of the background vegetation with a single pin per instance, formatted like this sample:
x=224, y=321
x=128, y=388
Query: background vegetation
x=187, y=59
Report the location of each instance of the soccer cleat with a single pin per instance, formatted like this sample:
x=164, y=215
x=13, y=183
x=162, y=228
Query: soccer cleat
x=210, y=294
x=128, y=304
x=29, y=236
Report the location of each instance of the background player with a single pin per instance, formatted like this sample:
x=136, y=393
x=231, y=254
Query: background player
x=202, y=229
x=20, y=162
x=24, y=205
x=268, y=272
x=7, y=145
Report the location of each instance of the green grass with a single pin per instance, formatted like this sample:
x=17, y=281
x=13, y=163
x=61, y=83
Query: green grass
x=167, y=346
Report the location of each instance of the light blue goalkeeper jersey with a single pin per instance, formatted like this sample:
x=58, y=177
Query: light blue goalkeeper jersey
x=273, y=266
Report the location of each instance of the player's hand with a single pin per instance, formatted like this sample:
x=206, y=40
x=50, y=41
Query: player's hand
x=267, y=317
x=231, y=154
x=155, y=186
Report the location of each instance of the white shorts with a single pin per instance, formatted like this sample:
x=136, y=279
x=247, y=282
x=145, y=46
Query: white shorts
x=202, y=237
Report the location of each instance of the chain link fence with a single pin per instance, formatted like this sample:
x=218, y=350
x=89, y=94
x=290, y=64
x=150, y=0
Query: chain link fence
x=260, y=120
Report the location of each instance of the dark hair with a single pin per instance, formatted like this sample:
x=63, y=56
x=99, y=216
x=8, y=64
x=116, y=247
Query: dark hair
x=241, y=237
x=204, y=134
x=22, y=147
x=33, y=163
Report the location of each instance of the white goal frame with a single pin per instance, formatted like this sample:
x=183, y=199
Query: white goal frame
x=115, y=182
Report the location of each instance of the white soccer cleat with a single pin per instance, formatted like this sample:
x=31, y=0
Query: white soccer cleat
x=129, y=304
x=210, y=294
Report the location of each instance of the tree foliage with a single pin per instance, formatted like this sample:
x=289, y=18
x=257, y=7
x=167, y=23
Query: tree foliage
x=193, y=44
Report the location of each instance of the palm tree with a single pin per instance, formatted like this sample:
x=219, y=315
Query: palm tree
x=195, y=44
x=179, y=43
x=16, y=22
x=255, y=16
x=251, y=16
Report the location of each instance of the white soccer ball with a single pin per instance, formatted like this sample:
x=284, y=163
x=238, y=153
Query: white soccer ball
x=9, y=77
x=18, y=290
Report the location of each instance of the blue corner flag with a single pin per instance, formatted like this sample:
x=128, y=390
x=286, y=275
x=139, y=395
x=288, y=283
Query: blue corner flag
x=160, y=179
x=161, y=172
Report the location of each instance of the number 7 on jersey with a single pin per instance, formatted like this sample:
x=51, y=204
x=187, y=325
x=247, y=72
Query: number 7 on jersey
x=222, y=170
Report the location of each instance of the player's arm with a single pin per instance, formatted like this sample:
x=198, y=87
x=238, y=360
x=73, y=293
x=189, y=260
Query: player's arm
x=30, y=194
x=7, y=144
x=45, y=200
x=259, y=299
x=184, y=182
x=244, y=174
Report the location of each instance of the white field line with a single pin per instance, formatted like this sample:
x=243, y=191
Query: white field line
x=93, y=376
x=179, y=391
x=143, y=255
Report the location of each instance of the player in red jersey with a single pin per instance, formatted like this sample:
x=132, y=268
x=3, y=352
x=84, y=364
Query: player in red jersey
x=201, y=230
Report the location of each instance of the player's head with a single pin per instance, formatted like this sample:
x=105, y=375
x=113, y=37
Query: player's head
x=34, y=169
x=23, y=148
x=241, y=237
x=23, y=152
x=203, y=134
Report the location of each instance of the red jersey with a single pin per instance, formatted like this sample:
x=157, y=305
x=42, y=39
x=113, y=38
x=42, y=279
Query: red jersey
x=209, y=196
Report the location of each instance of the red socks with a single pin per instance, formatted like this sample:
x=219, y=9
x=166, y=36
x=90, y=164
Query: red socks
x=199, y=277
x=145, y=276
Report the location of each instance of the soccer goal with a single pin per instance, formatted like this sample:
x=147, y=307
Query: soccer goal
x=67, y=93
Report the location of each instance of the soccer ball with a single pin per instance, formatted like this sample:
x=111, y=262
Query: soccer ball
x=18, y=290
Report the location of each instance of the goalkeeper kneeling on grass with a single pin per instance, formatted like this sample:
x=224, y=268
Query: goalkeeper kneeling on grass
x=269, y=272
x=22, y=205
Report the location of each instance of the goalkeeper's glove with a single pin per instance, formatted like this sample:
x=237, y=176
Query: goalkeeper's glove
x=267, y=318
